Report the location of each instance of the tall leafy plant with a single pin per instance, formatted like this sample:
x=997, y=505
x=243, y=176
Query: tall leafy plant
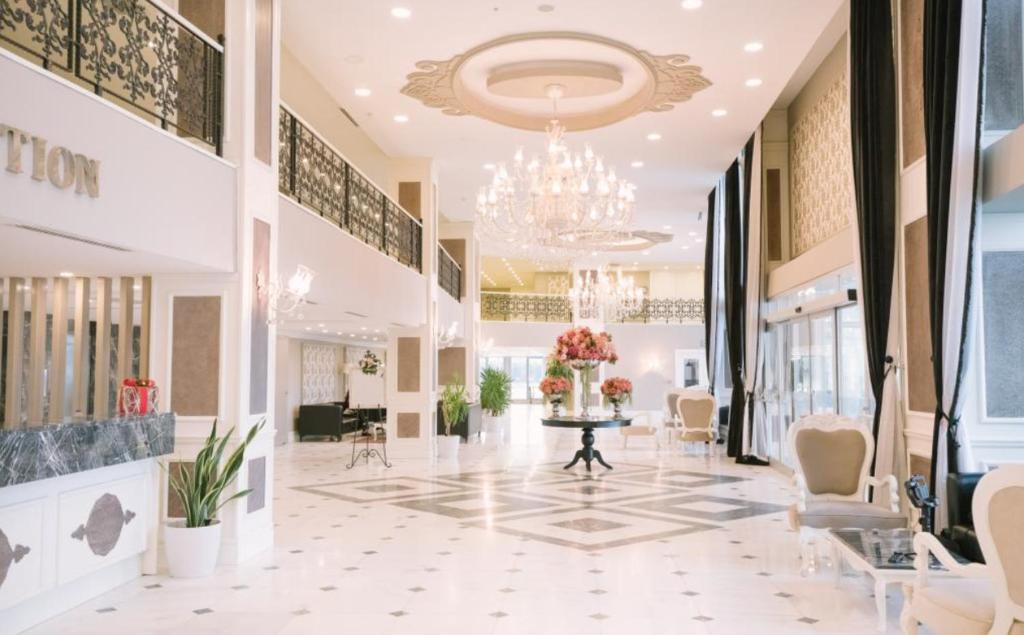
x=558, y=369
x=454, y=404
x=200, y=488
x=495, y=391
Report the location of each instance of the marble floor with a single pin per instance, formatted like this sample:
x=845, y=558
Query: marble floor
x=505, y=541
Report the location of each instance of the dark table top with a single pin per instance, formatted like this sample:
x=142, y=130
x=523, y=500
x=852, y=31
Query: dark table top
x=593, y=421
x=886, y=548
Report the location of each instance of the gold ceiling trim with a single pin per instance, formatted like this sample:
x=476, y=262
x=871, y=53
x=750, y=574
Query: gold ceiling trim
x=670, y=80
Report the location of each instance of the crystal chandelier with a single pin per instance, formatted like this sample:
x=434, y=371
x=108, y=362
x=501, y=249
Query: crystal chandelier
x=557, y=203
x=599, y=295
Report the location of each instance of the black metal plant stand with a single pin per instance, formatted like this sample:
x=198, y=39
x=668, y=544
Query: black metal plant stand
x=380, y=437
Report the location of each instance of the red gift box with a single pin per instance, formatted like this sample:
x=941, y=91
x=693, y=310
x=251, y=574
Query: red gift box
x=137, y=397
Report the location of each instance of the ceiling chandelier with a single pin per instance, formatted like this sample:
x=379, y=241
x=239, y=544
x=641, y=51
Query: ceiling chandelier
x=555, y=204
x=598, y=295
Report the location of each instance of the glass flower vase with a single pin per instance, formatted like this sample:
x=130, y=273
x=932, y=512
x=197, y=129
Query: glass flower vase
x=585, y=369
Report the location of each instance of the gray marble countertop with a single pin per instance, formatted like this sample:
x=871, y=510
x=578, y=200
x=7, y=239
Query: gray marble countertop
x=40, y=452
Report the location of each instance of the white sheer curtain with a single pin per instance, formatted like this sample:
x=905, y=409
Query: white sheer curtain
x=755, y=438
x=961, y=292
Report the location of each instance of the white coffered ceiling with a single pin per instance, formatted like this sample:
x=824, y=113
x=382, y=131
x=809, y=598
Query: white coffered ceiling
x=349, y=44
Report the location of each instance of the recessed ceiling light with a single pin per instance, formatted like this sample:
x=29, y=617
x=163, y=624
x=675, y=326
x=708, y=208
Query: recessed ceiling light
x=654, y=136
x=309, y=328
x=645, y=253
x=401, y=118
x=690, y=5
x=635, y=263
x=320, y=325
x=753, y=47
x=362, y=328
x=685, y=247
x=362, y=92
x=698, y=240
x=66, y=274
x=402, y=13
x=666, y=227
x=489, y=166
x=719, y=112
x=753, y=82
x=637, y=164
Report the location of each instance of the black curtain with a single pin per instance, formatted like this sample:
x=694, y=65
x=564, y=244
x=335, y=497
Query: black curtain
x=873, y=135
x=748, y=168
x=734, y=274
x=942, y=24
x=709, y=292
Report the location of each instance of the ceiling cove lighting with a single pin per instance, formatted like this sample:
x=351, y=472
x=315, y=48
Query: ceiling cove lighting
x=401, y=118
x=690, y=5
x=362, y=92
x=402, y=13
x=753, y=82
x=719, y=112
x=753, y=47
x=654, y=136
x=636, y=164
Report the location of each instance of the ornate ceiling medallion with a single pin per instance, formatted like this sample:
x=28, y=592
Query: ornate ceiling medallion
x=604, y=80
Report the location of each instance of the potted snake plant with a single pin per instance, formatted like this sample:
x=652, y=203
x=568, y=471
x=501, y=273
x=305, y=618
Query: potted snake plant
x=454, y=408
x=192, y=543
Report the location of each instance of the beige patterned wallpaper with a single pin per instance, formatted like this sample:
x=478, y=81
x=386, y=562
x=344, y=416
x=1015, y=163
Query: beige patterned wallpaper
x=319, y=372
x=821, y=170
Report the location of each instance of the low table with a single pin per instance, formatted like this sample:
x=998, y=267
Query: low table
x=887, y=555
x=587, y=424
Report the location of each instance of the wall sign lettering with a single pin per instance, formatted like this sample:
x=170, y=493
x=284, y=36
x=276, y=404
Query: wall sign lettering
x=62, y=167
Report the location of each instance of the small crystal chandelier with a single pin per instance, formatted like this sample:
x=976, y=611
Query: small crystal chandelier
x=598, y=295
x=555, y=204
x=285, y=299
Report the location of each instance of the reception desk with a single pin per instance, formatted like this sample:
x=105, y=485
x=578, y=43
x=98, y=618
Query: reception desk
x=79, y=512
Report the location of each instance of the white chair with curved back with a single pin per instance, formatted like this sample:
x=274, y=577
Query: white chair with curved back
x=833, y=456
x=975, y=599
x=696, y=410
x=671, y=420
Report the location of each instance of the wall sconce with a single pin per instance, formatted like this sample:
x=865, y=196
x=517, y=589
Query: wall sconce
x=445, y=337
x=285, y=299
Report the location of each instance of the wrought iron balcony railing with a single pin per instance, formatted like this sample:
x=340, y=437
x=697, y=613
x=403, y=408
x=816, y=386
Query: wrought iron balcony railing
x=449, y=274
x=135, y=53
x=319, y=178
x=524, y=307
x=538, y=307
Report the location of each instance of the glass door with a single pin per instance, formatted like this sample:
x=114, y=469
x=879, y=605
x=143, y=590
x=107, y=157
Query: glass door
x=520, y=386
x=799, y=356
x=823, y=362
x=535, y=367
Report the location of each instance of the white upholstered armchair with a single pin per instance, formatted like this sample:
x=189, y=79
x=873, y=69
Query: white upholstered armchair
x=833, y=456
x=975, y=599
x=696, y=409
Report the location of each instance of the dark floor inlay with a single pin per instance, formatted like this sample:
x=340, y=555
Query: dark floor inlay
x=202, y=611
x=808, y=620
x=499, y=614
x=106, y=609
x=589, y=525
x=599, y=616
x=703, y=618
x=398, y=613
x=300, y=612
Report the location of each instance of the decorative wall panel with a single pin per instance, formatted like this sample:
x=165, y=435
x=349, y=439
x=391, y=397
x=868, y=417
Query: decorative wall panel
x=195, y=356
x=451, y=365
x=912, y=79
x=408, y=350
x=260, y=312
x=821, y=169
x=920, y=381
x=408, y=424
x=21, y=551
x=97, y=526
x=257, y=482
x=319, y=372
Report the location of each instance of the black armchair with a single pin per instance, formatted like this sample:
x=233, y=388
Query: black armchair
x=324, y=419
x=960, y=532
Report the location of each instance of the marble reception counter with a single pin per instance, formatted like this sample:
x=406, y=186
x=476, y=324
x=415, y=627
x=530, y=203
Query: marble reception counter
x=41, y=452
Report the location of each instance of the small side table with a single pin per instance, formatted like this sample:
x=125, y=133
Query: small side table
x=379, y=436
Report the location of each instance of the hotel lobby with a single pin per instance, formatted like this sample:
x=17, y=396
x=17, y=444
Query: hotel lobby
x=685, y=316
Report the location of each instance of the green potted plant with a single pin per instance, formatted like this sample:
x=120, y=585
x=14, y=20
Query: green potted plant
x=495, y=391
x=192, y=544
x=454, y=408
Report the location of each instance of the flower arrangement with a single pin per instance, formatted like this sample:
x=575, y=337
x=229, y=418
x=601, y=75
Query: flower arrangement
x=555, y=390
x=617, y=391
x=370, y=364
x=555, y=387
x=581, y=344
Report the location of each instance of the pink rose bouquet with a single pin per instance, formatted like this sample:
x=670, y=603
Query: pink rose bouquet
x=555, y=387
x=617, y=389
x=582, y=345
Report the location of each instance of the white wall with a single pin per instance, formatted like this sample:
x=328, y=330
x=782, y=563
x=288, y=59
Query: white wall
x=351, y=276
x=192, y=220
x=647, y=358
x=677, y=284
x=301, y=92
x=519, y=334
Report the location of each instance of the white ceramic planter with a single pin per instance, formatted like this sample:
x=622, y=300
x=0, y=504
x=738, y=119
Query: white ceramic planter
x=448, y=447
x=191, y=551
